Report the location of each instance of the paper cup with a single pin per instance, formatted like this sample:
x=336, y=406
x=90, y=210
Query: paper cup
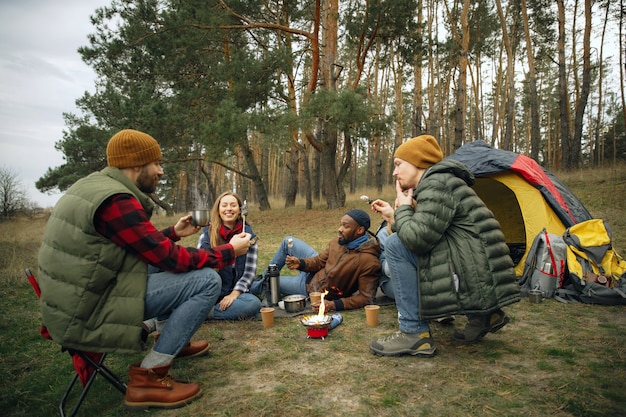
x=267, y=315
x=371, y=315
x=316, y=297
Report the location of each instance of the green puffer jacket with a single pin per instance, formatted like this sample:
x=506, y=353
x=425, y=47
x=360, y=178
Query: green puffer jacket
x=92, y=290
x=454, y=233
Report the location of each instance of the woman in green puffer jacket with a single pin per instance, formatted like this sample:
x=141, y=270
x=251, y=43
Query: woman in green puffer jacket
x=448, y=254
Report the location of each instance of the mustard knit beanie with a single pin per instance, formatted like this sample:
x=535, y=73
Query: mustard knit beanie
x=131, y=148
x=421, y=151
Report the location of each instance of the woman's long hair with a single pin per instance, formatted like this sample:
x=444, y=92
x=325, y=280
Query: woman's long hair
x=216, y=220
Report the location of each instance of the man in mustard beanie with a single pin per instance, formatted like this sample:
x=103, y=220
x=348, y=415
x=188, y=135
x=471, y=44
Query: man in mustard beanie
x=422, y=151
x=97, y=289
x=447, y=254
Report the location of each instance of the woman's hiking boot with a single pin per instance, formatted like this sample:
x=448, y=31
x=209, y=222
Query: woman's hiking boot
x=154, y=387
x=479, y=325
x=400, y=343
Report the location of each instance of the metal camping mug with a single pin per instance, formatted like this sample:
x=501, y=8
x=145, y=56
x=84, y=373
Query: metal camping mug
x=274, y=284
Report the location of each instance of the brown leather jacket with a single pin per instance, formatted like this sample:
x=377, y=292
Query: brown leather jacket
x=349, y=275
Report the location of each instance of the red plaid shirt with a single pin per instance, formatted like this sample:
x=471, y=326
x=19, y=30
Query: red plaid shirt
x=123, y=220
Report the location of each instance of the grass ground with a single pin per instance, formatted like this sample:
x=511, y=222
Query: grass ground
x=552, y=359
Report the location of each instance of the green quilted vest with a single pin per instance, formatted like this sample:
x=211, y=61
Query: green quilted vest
x=92, y=291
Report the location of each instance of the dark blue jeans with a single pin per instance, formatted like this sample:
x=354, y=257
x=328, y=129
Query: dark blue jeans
x=403, y=267
x=184, y=300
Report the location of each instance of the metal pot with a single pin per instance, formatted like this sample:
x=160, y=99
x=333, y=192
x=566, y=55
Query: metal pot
x=294, y=303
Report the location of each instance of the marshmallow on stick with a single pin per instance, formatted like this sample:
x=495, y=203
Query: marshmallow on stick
x=244, y=213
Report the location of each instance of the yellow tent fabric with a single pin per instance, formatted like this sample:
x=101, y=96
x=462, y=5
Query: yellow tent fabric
x=520, y=208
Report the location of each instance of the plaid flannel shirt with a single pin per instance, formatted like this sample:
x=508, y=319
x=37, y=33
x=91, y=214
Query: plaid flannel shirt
x=123, y=220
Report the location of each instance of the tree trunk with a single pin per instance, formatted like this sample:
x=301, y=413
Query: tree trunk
x=291, y=175
x=433, y=121
x=622, y=66
x=461, y=92
x=291, y=181
x=509, y=83
x=581, y=105
x=255, y=176
x=306, y=178
x=535, y=138
x=398, y=81
x=598, y=148
x=329, y=136
x=564, y=110
x=418, y=99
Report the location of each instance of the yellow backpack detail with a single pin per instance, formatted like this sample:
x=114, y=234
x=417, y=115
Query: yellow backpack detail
x=596, y=271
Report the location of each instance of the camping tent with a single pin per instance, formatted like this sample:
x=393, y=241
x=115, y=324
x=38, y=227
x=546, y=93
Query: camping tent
x=522, y=195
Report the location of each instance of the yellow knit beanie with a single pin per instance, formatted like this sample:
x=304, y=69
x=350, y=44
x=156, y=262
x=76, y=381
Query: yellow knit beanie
x=131, y=148
x=421, y=151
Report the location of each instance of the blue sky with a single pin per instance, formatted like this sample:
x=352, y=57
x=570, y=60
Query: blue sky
x=41, y=76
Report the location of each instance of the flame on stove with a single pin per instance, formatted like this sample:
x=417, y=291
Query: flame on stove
x=322, y=309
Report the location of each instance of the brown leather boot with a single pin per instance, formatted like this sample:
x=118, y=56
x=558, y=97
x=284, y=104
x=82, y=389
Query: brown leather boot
x=191, y=349
x=154, y=387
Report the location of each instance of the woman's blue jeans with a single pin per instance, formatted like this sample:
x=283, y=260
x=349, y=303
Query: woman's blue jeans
x=184, y=300
x=246, y=305
x=402, y=265
x=293, y=284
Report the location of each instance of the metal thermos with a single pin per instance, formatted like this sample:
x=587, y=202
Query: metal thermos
x=274, y=284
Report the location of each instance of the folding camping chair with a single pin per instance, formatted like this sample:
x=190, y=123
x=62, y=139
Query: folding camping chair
x=86, y=365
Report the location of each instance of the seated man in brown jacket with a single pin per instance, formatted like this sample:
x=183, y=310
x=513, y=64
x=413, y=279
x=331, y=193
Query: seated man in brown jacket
x=348, y=269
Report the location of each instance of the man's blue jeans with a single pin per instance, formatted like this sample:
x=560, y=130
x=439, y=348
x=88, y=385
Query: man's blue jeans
x=184, y=300
x=290, y=284
x=402, y=264
x=384, y=281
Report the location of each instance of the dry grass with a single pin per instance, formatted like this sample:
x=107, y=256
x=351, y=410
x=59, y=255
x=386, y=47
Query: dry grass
x=552, y=359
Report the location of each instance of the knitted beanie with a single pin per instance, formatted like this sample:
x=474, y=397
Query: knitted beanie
x=131, y=148
x=421, y=151
x=360, y=217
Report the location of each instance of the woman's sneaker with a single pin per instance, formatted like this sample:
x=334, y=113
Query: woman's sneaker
x=479, y=325
x=415, y=344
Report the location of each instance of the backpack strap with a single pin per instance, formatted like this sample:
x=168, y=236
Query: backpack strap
x=558, y=265
x=619, y=291
x=531, y=260
x=567, y=295
x=550, y=252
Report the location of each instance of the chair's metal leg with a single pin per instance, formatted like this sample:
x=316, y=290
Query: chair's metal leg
x=80, y=399
x=102, y=369
x=65, y=395
x=99, y=368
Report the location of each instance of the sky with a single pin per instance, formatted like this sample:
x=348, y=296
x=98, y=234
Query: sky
x=41, y=77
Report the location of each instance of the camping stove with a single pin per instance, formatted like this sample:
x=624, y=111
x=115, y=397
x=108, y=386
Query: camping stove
x=316, y=326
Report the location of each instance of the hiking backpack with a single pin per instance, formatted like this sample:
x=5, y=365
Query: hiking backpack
x=544, y=268
x=596, y=272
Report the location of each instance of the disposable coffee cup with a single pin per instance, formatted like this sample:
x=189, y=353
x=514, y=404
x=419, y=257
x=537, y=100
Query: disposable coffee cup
x=267, y=315
x=371, y=315
x=316, y=297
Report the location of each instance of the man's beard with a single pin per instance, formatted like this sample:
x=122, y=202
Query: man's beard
x=145, y=182
x=345, y=240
